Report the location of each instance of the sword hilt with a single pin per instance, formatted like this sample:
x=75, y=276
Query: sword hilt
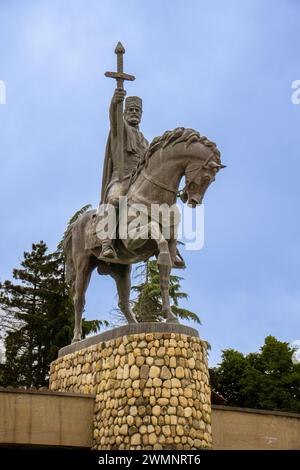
x=120, y=76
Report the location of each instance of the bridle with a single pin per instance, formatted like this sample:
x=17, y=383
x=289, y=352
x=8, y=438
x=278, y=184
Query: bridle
x=178, y=193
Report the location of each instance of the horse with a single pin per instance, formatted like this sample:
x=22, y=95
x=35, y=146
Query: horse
x=156, y=180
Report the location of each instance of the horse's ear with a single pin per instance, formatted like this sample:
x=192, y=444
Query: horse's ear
x=214, y=166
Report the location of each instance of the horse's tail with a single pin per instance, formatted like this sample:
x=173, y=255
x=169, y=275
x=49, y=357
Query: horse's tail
x=69, y=263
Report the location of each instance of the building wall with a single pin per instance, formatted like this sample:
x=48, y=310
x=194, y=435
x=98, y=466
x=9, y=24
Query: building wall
x=45, y=418
x=243, y=428
x=65, y=419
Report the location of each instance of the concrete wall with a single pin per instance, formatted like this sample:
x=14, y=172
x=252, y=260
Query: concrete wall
x=65, y=419
x=46, y=418
x=243, y=428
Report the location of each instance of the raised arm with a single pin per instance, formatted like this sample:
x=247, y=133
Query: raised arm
x=118, y=96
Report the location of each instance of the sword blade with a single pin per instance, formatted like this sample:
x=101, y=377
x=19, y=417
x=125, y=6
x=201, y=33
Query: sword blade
x=120, y=123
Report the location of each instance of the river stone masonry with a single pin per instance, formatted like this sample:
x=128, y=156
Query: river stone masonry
x=152, y=390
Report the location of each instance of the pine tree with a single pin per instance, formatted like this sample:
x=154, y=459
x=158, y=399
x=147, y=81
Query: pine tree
x=43, y=317
x=25, y=301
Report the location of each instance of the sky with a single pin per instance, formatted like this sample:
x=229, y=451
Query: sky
x=223, y=68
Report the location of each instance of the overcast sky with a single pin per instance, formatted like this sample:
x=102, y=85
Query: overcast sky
x=222, y=68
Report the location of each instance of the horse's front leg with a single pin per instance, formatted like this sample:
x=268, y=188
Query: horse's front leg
x=164, y=282
x=164, y=258
x=121, y=274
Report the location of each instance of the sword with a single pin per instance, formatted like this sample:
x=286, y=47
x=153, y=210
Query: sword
x=120, y=76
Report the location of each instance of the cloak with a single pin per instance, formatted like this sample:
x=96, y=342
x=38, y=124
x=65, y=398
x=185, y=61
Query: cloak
x=134, y=143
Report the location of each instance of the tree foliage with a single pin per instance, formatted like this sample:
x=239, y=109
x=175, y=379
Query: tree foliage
x=267, y=379
x=41, y=317
x=71, y=221
x=147, y=304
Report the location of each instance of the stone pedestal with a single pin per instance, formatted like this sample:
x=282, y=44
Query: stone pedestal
x=150, y=383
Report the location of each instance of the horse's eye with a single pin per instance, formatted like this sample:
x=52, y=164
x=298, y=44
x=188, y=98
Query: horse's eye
x=192, y=186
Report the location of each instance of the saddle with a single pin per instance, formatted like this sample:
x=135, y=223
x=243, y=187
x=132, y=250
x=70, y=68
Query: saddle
x=92, y=241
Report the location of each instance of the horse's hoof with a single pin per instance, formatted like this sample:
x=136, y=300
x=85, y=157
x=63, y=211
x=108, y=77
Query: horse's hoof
x=172, y=320
x=170, y=317
x=132, y=321
x=75, y=340
x=130, y=317
x=164, y=259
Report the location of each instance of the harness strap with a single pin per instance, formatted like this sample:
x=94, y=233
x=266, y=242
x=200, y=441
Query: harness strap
x=158, y=183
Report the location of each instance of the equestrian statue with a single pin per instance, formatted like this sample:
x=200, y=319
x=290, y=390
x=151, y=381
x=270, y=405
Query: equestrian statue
x=140, y=176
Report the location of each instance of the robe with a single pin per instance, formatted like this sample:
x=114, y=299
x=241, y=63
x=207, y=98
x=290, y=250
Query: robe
x=135, y=145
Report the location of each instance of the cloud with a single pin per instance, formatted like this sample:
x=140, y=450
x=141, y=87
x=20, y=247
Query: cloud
x=224, y=69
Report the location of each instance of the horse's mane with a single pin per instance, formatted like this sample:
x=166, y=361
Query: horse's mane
x=176, y=136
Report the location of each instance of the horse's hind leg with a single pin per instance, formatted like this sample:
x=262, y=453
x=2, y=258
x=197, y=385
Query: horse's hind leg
x=84, y=270
x=121, y=275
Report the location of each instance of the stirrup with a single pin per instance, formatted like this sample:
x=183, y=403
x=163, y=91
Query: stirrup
x=108, y=252
x=179, y=262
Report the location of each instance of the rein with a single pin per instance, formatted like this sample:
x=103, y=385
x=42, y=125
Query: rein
x=178, y=193
x=158, y=183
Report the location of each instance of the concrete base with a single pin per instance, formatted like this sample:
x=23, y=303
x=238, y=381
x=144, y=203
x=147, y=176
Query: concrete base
x=152, y=389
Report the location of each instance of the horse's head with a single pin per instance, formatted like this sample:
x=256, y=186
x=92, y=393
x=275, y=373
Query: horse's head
x=198, y=176
x=179, y=152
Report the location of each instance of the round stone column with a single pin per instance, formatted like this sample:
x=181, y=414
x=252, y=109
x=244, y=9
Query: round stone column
x=150, y=382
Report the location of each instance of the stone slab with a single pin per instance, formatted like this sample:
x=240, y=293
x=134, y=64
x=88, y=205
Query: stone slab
x=134, y=328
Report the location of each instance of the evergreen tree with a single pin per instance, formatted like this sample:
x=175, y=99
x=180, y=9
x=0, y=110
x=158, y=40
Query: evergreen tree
x=25, y=301
x=42, y=310
x=267, y=380
x=226, y=379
